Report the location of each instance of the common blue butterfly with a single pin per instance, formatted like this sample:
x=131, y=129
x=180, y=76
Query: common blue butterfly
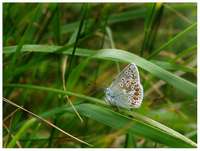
x=126, y=90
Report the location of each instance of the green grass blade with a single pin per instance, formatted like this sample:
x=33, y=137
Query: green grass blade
x=140, y=125
x=31, y=121
x=117, y=120
x=155, y=26
x=76, y=72
x=130, y=141
x=21, y=132
x=26, y=86
x=56, y=25
x=185, y=52
x=147, y=26
x=48, y=16
x=35, y=129
x=71, y=59
x=181, y=84
x=128, y=15
x=23, y=39
x=156, y=124
x=173, y=66
x=172, y=40
x=151, y=27
x=115, y=18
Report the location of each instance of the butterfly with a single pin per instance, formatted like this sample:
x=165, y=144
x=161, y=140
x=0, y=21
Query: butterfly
x=126, y=90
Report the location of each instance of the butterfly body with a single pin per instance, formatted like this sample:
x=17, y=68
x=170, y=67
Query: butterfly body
x=126, y=91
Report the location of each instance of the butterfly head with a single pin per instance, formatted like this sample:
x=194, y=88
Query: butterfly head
x=109, y=96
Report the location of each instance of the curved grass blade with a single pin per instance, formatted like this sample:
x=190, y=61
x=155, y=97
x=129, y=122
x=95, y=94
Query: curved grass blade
x=20, y=133
x=142, y=126
x=185, y=86
x=31, y=121
x=41, y=88
x=118, y=121
x=156, y=124
x=181, y=84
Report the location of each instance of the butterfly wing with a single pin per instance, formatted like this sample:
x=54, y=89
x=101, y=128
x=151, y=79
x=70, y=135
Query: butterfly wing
x=126, y=88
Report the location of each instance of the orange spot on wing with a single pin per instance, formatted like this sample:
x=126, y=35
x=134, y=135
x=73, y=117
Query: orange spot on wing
x=136, y=93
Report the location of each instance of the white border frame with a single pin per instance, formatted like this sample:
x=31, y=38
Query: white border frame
x=95, y=1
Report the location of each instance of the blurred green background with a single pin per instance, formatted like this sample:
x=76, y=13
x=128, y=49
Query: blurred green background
x=51, y=50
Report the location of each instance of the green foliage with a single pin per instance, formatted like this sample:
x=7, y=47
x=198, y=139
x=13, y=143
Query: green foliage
x=96, y=41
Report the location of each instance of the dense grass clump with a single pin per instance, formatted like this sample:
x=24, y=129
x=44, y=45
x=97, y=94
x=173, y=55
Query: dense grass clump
x=59, y=58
